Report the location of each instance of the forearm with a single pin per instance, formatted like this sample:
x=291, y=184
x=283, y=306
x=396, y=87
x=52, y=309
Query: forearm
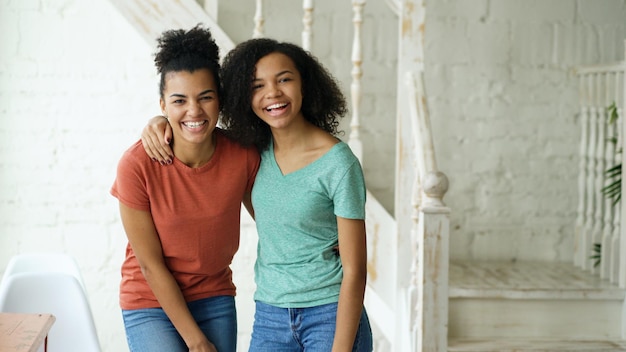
x=349, y=312
x=171, y=299
x=144, y=240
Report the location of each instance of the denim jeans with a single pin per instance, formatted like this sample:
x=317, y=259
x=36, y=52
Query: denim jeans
x=302, y=329
x=150, y=329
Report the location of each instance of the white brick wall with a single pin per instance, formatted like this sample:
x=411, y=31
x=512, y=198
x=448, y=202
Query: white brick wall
x=503, y=104
x=77, y=84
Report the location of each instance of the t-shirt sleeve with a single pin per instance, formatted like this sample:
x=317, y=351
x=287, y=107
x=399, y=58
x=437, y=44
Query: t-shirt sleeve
x=349, y=198
x=129, y=186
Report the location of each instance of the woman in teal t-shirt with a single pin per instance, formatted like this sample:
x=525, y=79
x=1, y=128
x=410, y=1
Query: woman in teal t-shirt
x=308, y=197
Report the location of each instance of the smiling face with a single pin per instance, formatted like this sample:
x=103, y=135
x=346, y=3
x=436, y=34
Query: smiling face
x=190, y=101
x=277, y=91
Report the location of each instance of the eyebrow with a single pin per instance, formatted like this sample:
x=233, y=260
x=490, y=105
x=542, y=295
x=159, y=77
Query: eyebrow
x=178, y=95
x=276, y=75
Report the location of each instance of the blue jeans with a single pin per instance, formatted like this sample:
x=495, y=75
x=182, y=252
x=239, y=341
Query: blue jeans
x=302, y=329
x=150, y=329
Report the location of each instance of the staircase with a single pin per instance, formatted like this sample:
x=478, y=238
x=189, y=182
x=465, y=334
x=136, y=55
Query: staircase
x=532, y=306
x=419, y=300
x=539, y=306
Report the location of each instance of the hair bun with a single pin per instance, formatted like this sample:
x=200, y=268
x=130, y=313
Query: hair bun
x=178, y=44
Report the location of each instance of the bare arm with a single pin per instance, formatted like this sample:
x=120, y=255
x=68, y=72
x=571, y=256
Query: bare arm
x=354, y=261
x=144, y=240
x=156, y=138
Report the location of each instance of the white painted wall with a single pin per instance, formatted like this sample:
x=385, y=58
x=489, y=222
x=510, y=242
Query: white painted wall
x=77, y=84
x=504, y=111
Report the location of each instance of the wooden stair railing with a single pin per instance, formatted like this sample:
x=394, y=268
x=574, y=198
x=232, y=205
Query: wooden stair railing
x=599, y=219
x=151, y=17
x=428, y=290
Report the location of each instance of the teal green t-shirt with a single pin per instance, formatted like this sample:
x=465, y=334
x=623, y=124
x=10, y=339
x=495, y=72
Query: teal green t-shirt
x=296, y=219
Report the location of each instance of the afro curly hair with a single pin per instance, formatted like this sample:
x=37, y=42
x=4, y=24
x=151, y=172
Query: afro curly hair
x=323, y=103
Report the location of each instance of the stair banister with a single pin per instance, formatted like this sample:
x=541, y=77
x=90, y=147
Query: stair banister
x=614, y=268
x=600, y=166
x=609, y=161
x=587, y=235
x=425, y=288
x=599, y=220
x=156, y=16
x=307, y=21
x=600, y=86
x=622, y=241
x=579, y=231
x=357, y=72
x=428, y=292
x=258, y=20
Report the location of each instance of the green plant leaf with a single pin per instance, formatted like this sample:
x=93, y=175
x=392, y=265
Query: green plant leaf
x=597, y=254
x=613, y=190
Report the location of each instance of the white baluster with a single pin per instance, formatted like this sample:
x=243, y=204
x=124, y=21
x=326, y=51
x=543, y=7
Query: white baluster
x=614, y=268
x=609, y=154
x=307, y=20
x=586, y=244
x=258, y=20
x=622, y=241
x=600, y=167
x=615, y=238
x=582, y=177
x=355, y=88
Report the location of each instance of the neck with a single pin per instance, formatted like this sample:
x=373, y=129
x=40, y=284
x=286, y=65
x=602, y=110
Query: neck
x=293, y=138
x=195, y=155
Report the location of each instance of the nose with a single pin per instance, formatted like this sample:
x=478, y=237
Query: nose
x=194, y=108
x=273, y=90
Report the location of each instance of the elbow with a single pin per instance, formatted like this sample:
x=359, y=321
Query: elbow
x=147, y=271
x=356, y=276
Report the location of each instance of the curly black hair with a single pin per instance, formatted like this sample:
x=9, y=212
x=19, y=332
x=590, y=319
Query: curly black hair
x=191, y=50
x=323, y=103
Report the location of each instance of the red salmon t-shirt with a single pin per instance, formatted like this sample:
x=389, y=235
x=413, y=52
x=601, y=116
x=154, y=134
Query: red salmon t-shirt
x=196, y=212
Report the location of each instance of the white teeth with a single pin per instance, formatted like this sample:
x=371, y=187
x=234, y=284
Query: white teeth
x=276, y=106
x=191, y=124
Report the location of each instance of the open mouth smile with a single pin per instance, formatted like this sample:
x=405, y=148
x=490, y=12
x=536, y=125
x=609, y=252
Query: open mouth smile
x=277, y=106
x=195, y=124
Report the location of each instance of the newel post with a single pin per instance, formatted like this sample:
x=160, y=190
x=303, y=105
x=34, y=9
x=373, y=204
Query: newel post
x=431, y=264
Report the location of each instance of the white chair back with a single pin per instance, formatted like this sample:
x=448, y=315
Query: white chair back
x=55, y=293
x=44, y=262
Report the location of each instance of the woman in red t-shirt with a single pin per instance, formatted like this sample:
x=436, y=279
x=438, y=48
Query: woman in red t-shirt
x=182, y=220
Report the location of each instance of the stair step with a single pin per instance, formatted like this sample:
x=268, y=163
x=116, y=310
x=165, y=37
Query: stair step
x=533, y=345
x=527, y=280
x=534, y=300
